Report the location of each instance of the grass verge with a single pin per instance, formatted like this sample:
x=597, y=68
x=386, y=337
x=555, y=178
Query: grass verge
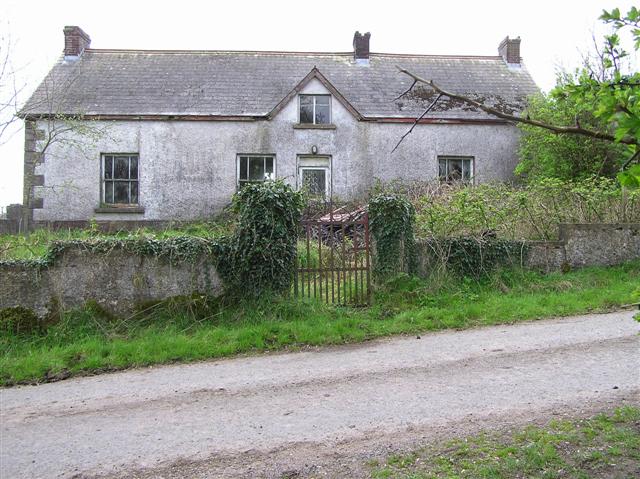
x=36, y=244
x=605, y=446
x=88, y=340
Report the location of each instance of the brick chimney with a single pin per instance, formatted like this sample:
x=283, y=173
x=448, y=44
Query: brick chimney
x=361, y=48
x=509, y=50
x=75, y=41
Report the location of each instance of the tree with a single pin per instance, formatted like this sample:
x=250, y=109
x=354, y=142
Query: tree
x=612, y=98
x=545, y=154
x=9, y=87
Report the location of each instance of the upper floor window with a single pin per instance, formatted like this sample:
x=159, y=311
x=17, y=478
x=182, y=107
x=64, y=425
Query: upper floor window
x=452, y=169
x=254, y=168
x=120, y=179
x=315, y=109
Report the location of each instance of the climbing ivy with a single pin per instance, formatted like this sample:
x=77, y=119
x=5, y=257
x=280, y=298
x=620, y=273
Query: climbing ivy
x=391, y=218
x=176, y=249
x=260, y=255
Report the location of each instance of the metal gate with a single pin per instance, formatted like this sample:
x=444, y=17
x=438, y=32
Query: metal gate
x=333, y=263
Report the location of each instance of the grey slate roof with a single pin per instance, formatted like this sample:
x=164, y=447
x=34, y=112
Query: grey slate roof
x=111, y=82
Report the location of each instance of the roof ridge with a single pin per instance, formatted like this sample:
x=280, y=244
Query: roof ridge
x=430, y=55
x=287, y=52
x=266, y=52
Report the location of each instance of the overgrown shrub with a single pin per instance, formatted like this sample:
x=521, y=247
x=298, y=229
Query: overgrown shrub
x=545, y=154
x=530, y=212
x=391, y=218
x=260, y=255
x=474, y=258
x=471, y=230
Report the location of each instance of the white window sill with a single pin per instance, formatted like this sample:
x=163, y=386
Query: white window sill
x=311, y=126
x=120, y=209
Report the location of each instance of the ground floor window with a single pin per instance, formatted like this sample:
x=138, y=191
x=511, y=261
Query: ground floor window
x=314, y=175
x=120, y=179
x=255, y=168
x=452, y=169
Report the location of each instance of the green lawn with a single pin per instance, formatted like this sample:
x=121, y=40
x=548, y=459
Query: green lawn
x=605, y=446
x=189, y=329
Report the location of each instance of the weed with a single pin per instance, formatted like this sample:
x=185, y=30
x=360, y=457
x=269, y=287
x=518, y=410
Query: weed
x=606, y=445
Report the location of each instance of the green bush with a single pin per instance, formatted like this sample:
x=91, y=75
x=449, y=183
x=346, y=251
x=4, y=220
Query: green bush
x=545, y=154
x=530, y=212
x=391, y=217
x=260, y=256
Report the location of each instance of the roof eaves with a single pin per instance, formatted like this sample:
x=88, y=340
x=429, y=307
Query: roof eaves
x=142, y=117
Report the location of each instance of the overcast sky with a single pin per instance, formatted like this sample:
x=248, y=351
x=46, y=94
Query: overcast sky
x=553, y=33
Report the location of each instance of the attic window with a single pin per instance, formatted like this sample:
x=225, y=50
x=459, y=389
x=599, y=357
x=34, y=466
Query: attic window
x=315, y=109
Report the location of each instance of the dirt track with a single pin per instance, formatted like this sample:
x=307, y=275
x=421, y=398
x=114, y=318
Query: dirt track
x=318, y=412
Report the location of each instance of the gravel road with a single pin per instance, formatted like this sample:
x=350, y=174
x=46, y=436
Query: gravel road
x=319, y=412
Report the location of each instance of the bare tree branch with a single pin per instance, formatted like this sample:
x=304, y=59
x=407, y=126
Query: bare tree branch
x=9, y=89
x=433, y=103
x=576, y=130
x=406, y=91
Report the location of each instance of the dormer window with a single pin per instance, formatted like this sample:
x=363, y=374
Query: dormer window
x=315, y=109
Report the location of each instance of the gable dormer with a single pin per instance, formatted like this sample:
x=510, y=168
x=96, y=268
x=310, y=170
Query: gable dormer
x=315, y=98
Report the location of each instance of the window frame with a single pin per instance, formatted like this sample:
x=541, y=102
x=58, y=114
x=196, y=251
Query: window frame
x=315, y=162
x=104, y=180
x=463, y=158
x=264, y=156
x=327, y=177
x=315, y=96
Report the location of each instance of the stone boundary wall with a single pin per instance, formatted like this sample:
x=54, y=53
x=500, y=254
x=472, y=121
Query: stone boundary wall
x=118, y=281
x=580, y=245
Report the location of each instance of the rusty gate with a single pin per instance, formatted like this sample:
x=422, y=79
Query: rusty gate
x=333, y=262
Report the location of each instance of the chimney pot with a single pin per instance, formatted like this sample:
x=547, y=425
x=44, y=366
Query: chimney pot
x=75, y=41
x=361, y=47
x=509, y=50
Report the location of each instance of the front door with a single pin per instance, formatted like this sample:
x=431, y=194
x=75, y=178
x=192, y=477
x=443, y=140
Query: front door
x=314, y=175
x=314, y=181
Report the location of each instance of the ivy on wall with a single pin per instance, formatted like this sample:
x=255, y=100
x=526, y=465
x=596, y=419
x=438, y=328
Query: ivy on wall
x=260, y=256
x=176, y=250
x=391, y=219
